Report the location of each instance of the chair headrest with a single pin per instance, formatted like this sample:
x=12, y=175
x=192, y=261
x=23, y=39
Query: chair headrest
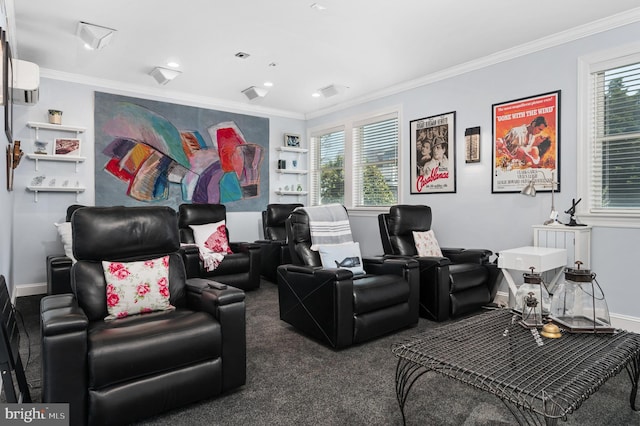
x=200, y=214
x=121, y=233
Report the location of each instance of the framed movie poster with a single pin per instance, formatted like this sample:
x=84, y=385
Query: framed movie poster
x=526, y=143
x=433, y=154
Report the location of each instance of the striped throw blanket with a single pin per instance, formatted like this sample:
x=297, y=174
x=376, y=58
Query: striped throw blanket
x=328, y=224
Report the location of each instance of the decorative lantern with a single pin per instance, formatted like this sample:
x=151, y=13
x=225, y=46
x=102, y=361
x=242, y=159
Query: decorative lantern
x=579, y=305
x=532, y=300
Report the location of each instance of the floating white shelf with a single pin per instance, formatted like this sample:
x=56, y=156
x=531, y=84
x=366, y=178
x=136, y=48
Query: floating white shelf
x=47, y=157
x=292, y=149
x=291, y=192
x=36, y=189
x=292, y=171
x=60, y=127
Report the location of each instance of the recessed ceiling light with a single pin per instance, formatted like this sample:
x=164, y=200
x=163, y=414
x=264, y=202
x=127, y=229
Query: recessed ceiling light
x=315, y=94
x=242, y=55
x=268, y=84
x=317, y=6
x=273, y=64
x=173, y=64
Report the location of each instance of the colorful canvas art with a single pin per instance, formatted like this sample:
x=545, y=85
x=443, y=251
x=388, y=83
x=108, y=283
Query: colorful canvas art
x=155, y=152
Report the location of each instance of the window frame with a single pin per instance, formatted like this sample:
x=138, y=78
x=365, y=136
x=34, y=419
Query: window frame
x=348, y=125
x=587, y=65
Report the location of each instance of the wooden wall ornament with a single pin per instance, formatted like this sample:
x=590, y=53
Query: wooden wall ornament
x=14, y=155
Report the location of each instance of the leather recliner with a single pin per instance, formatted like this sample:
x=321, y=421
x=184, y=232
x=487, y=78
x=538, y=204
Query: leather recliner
x=59, y=265
x=336, y=307
x=275, y=251
x=122, y=370
x=240, y=269
x=461, y=282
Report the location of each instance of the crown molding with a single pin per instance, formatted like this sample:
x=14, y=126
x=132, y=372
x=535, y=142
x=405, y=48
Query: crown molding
x=576, y=33
x=173, y=96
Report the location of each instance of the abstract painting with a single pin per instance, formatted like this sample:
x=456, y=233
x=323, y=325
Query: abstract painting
x=168, y=154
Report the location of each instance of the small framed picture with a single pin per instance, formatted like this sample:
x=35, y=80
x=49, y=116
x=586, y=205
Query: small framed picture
x=66, y=146
x=472, y=145
x=291, y=140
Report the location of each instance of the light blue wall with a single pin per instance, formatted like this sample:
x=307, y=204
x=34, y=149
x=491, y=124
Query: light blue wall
x=474, y=217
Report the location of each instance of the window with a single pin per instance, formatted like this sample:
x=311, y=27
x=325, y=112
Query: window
x=609, y=162
x=371, y=145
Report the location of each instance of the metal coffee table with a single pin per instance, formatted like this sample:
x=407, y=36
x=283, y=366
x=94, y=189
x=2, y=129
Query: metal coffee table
x=539, y=380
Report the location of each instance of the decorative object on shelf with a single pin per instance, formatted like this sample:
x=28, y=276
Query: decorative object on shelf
x=572, y=213
x=14, y=155
x=282, y=164
x=38, y=180
x=67, y=146
x=532, y=300
x=286, y=188
x=433, y=154
x=299, y=188
x=530, y=190
x=291, y=140
x=526, y=137
x=579, y=304
x=55, y=116
x=294, y=163
x=40, y=147
x=472, y=145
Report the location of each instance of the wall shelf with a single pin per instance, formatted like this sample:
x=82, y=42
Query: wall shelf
x=64, y=158
x=36, y=189
x=59, y=127
x=291, y=171
x=292, y=149
x=291, y=192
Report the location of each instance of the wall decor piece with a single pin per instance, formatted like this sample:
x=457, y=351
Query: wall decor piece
x=472, y=145
x=433, y=154
x=169, y=154
x=66, y=146
x=526, y=143
x=7, y=87
x=291, y=140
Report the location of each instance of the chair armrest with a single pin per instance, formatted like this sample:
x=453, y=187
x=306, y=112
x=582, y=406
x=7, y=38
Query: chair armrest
x=430, y=261
x=58, y=274
x=243, y=247
x=64, y=325
x=191, y=258
x=227, y=305
x=460, y=255
x=382, y=265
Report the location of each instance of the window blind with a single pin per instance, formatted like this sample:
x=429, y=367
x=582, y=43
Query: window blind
x=615, y=146
x=375, y=158
x=327, y=162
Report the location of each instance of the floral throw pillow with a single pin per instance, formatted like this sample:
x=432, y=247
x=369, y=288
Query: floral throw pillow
x=137, y=287
x=426, y=243
x=212, y=237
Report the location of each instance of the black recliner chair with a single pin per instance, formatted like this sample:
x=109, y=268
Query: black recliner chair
x=461, y=282
x=240, y=269
x=122, y=370
x=336, y=307
x=275, y=251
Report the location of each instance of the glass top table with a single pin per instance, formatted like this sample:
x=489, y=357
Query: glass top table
x=539, y=379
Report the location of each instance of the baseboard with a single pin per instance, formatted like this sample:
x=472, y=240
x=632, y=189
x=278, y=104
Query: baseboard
x=623, y=322
x=28, y=290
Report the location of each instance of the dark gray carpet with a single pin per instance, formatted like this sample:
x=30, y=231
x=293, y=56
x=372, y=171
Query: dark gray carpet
x=293, y=380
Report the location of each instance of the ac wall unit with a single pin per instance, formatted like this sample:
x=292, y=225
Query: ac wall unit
x=26, y=82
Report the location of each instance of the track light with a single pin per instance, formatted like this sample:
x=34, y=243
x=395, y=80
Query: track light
x=94, y=36
x=164, y=75
x=255, y=92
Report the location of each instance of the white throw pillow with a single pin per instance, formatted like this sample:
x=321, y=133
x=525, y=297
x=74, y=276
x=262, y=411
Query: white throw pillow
x=343, y=256
x=211, y=237
x=426, y=243
x=64, y=230
x=137, y=287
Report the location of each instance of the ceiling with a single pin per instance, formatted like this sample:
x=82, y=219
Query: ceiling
x=361, y=47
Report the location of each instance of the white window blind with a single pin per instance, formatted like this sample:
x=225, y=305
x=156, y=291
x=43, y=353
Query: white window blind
x=375, y=158
x=327, y=167
x=615, y=142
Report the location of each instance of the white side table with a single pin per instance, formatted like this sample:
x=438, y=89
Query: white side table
x=542, y=259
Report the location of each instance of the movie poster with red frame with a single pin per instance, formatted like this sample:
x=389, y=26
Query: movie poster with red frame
x=526, y=143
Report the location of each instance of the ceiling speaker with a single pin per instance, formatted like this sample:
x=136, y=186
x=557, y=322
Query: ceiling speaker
x=94, y=36
x=164, y=75
x=255, y=92
x=329, y=91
